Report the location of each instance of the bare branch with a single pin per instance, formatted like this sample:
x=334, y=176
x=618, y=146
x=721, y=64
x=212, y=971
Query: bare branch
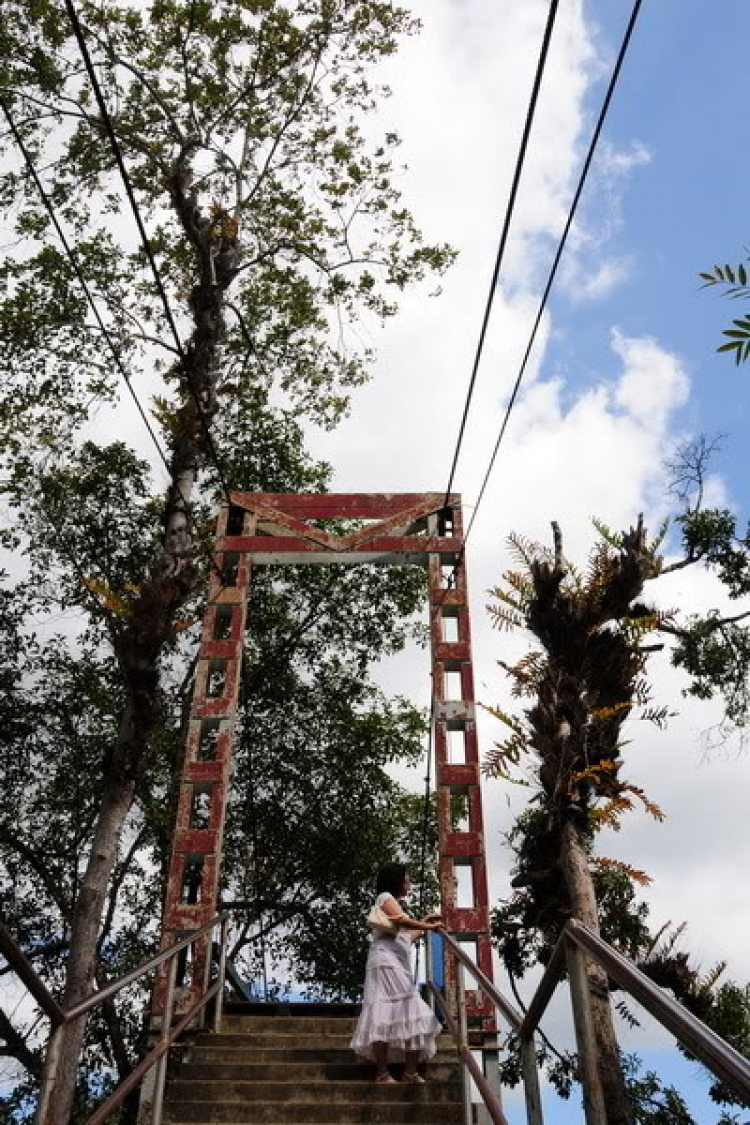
x=688, y=469
x=16, y=1047
x=48, y=878
x=710, y=625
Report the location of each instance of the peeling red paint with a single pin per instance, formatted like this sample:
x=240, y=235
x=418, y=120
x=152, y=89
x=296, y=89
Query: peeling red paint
x=411, y=526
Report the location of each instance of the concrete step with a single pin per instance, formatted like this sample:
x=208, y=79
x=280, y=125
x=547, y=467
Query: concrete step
x=292, y=1008
x=322, y=1092
x=206, y=1053
x=285, y=1039
x=281, y=1042
x=348, y=1070
x=394, y=1112
x=289, y=1025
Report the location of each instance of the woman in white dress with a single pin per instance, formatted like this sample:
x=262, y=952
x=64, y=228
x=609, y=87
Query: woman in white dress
x=395, y=1023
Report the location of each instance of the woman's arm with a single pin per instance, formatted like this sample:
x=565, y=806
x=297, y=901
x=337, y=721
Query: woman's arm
x=394, y=911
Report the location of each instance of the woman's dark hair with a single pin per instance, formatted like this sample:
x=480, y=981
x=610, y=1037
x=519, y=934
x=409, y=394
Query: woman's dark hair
x=391, y=878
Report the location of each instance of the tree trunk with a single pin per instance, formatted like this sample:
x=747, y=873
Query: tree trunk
x=140, y=642
x=583, y=901
x=85, y=932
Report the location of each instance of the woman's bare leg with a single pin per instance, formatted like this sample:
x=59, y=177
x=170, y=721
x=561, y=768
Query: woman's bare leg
x=411, y=1074
x=380, y=1051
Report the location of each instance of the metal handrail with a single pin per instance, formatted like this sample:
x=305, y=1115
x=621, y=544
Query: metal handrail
x=529, y=1064
x=484, y=982
x=488, y=1097
x=723, y=1060
x=139, y=971
x=26, y=972
x=60, y=1016
x=115, y=1100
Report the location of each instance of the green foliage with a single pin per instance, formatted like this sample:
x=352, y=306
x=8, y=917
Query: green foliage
x=733, y=279
x=652, y=1102
x=275, y=215
x=585, y=676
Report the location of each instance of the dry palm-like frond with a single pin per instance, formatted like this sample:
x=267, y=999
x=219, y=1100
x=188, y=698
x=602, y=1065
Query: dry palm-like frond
x=515, y=724
x=610, y=537
x=650, y=806
x=505, y=617
x=602, y=569
x=594, y=773
x=634, y=629
x=526, y=551
x=608, y=816
x=602, y=714
x=659, y=716
x=666, y=949
x=633, y=873
x=503, y=756
x=656, y=938
x=707, y=982
x=527, y=674
x=521, y=583
x=624, y=1011
x=641, y=691
x=660, y=536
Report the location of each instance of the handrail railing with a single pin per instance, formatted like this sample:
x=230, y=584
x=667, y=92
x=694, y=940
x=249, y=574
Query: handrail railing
x=529, y=1066
x=26, y=972
x=59, y=1017
x=493, y=1105
x=708, y=1047
x=576, y=940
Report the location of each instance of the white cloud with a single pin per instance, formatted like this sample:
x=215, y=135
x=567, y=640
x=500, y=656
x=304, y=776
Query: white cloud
x=597, y=453
x=653, y=381
x=595, y=286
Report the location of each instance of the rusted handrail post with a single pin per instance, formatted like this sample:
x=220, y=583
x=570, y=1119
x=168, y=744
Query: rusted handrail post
x=166, y=1027
x=219, y=1005
x=463, y=1039
x=593, y=1100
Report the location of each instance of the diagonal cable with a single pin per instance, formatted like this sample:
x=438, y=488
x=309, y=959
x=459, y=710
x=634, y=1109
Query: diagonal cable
x=145, y=241
x=73, y=259
x=553, y=271
x=520, y=159
x=81, y=277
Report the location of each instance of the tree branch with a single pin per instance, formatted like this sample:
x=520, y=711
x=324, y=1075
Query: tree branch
x=16, y=1047
x=117, y=881
x=710, y=624
x=48, y=879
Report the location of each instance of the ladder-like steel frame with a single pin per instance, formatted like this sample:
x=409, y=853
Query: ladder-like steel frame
x=262, y=529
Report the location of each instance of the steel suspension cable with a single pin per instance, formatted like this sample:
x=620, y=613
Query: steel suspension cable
x=520, y=159
x=145, y=241
x=555, y=264
x=72, y=257
x=425, y=825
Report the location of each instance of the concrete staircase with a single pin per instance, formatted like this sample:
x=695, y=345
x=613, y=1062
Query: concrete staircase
x=291, y=1063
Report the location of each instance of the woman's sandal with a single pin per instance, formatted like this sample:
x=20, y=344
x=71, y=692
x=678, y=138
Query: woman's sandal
x=414, y=1078
x=384, y=1079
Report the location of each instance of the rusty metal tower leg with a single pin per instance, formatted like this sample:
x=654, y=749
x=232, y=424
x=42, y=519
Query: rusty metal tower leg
x=193, y=883
x=457, y=762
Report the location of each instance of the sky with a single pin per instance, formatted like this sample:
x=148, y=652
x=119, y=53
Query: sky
x=625, y=369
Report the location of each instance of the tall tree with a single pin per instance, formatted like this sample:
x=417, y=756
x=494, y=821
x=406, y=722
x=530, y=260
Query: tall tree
x=275, y=222
x=310, y=771
x=585, y=679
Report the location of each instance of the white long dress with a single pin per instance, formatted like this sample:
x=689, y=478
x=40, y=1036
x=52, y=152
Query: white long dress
x=393, y=1012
